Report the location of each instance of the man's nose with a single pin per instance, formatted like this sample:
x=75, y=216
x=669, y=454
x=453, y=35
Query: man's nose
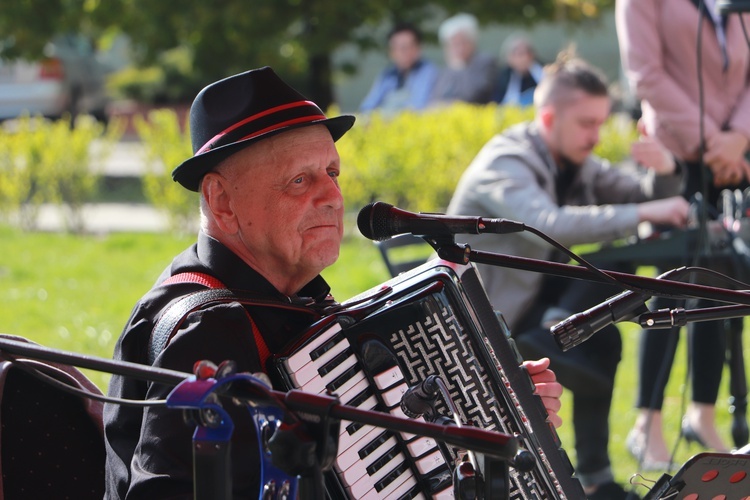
x=330, y=193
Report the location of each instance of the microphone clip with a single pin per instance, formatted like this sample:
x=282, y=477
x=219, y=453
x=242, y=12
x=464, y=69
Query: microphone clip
x=420, y=399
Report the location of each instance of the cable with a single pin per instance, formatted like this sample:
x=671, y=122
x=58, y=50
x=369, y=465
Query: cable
x=703, y=244
x=591, y=267
x=744, y=30
x=39, y=374
x=702, y=212
x=716, y=274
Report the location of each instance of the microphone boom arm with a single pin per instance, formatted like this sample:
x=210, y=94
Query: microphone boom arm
x=463, y=254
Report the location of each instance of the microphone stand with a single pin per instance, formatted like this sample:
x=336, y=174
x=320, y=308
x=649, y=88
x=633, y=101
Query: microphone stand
x=447, y=249
x=679, y=316
x=214, y=427
x=463, y=254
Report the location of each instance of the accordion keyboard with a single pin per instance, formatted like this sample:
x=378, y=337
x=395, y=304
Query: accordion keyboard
x=371, y=462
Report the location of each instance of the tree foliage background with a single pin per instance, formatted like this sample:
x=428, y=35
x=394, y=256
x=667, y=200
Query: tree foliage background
x=224, y=37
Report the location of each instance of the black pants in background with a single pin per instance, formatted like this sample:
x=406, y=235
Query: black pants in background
x=707, y=340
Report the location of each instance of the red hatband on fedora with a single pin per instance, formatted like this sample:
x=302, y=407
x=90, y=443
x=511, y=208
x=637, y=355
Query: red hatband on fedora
x=240, y=110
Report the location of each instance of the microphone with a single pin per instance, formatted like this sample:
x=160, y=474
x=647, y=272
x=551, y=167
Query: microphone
x=379, y=221
x=420, y=399
x=580, y=327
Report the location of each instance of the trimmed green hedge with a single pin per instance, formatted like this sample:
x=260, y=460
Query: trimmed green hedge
x=411, y=160
x=43, y=161
x=414, y=160
x=166, y=147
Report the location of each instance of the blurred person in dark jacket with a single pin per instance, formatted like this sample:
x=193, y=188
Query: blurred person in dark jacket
x=520, y=74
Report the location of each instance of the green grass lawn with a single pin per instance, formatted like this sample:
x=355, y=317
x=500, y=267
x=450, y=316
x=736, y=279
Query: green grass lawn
x=75, y=293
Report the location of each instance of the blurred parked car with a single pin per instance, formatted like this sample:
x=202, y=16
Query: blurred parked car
x=68, y=79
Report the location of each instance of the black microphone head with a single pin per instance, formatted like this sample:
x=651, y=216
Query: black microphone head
x=372, y=221
x=524, y=461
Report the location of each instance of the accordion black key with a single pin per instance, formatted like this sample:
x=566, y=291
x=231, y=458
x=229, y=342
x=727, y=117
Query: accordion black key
x=434, y=320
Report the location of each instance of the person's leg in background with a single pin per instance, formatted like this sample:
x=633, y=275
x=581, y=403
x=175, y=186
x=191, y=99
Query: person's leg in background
x=591, y=409
x=655, y=357
x=707, y=341
x=588, y=370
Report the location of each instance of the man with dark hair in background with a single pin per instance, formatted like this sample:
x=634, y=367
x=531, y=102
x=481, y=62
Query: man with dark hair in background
x=407, y=82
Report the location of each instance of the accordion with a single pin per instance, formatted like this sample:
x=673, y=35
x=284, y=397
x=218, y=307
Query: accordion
x=433, y=320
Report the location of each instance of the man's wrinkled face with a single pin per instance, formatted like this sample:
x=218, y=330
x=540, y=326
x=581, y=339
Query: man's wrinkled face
x=286, y=195
x=576, y=125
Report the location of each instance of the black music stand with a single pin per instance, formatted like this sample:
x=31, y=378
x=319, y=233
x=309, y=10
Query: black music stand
x=706, y=475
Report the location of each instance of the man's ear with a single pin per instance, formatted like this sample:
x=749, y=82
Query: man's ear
x=215, y=192
x=547, y=116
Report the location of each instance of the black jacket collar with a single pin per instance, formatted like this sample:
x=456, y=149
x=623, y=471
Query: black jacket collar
x=228, y=268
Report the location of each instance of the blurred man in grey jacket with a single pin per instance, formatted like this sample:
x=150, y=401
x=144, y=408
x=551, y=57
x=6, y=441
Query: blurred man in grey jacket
x=543, y=174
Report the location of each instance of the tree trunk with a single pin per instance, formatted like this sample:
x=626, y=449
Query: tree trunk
x=320, y=87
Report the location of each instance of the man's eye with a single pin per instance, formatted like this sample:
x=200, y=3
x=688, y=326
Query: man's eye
x=298, y=180
x=334, y=173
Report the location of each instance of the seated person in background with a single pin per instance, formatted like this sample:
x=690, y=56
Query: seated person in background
x=521, y=73
x=469, y=75
x=544, y=174
x=266, y=167
x=407, y=82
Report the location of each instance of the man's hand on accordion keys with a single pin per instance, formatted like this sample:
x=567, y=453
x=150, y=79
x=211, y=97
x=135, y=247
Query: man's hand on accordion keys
x=547, y=387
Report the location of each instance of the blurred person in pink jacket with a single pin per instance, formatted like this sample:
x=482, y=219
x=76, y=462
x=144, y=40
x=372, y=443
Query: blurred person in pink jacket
x=659, y=44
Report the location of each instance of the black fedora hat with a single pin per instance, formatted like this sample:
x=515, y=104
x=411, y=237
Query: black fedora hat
x=240, y=110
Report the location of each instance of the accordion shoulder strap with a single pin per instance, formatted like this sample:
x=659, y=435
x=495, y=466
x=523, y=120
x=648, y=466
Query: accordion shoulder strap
x=169, y=322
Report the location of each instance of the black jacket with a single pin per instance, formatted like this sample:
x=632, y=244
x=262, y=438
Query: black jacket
x=149, y=451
